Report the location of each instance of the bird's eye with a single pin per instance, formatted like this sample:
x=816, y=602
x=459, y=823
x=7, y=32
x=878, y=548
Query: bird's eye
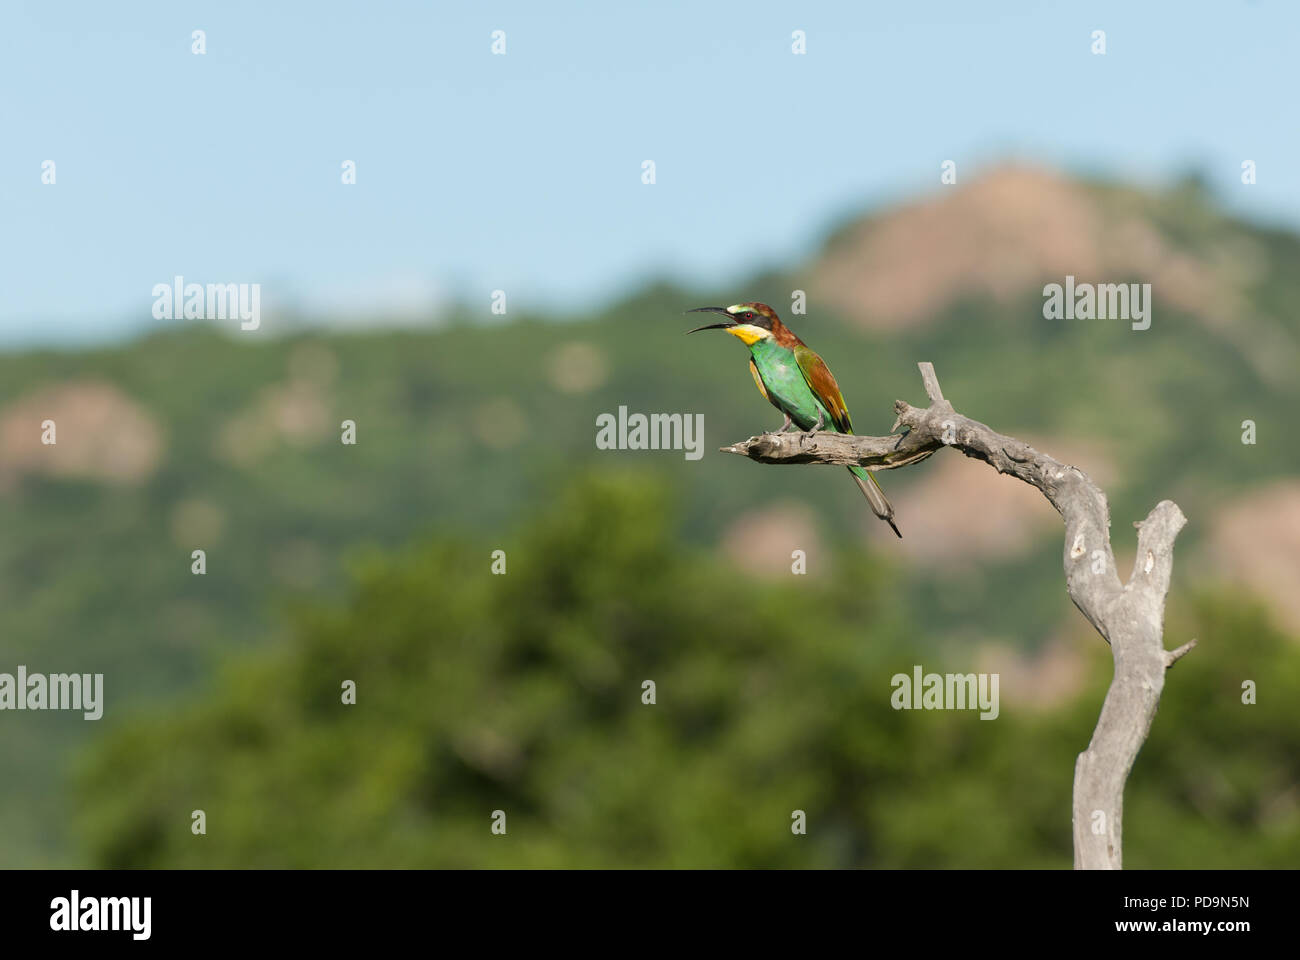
x=749, y=314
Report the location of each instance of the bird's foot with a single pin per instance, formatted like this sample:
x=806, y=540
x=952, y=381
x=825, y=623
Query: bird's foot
x=785, y=427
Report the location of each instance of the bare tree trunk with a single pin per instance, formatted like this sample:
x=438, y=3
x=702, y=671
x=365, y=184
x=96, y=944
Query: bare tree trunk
x=1130, y=616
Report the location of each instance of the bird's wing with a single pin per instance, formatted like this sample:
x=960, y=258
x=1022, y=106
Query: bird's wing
x=823, y=386
x=758, y=381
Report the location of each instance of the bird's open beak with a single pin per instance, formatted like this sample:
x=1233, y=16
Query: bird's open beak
x=713, y=326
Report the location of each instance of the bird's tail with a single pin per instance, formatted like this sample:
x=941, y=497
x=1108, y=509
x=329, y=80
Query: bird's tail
x=880, y=505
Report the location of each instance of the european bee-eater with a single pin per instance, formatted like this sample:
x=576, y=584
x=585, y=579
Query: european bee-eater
x=796, y=381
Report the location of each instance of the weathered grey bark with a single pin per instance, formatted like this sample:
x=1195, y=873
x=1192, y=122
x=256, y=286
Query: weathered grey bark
x=1130, y=616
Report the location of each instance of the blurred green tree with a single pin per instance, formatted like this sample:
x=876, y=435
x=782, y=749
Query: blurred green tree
x=524, y=693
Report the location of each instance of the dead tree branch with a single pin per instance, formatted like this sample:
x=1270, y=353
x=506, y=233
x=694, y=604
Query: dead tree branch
x=1129, y=615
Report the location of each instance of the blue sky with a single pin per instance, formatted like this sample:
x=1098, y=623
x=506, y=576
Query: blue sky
x=523, y=172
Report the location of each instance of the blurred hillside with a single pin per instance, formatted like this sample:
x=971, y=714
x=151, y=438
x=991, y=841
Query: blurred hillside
x=468, y=433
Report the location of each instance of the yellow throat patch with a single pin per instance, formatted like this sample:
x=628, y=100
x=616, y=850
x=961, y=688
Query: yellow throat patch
x=747, y=332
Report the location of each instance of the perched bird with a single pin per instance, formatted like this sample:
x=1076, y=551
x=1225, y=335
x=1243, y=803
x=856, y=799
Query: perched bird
x=796, y=381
